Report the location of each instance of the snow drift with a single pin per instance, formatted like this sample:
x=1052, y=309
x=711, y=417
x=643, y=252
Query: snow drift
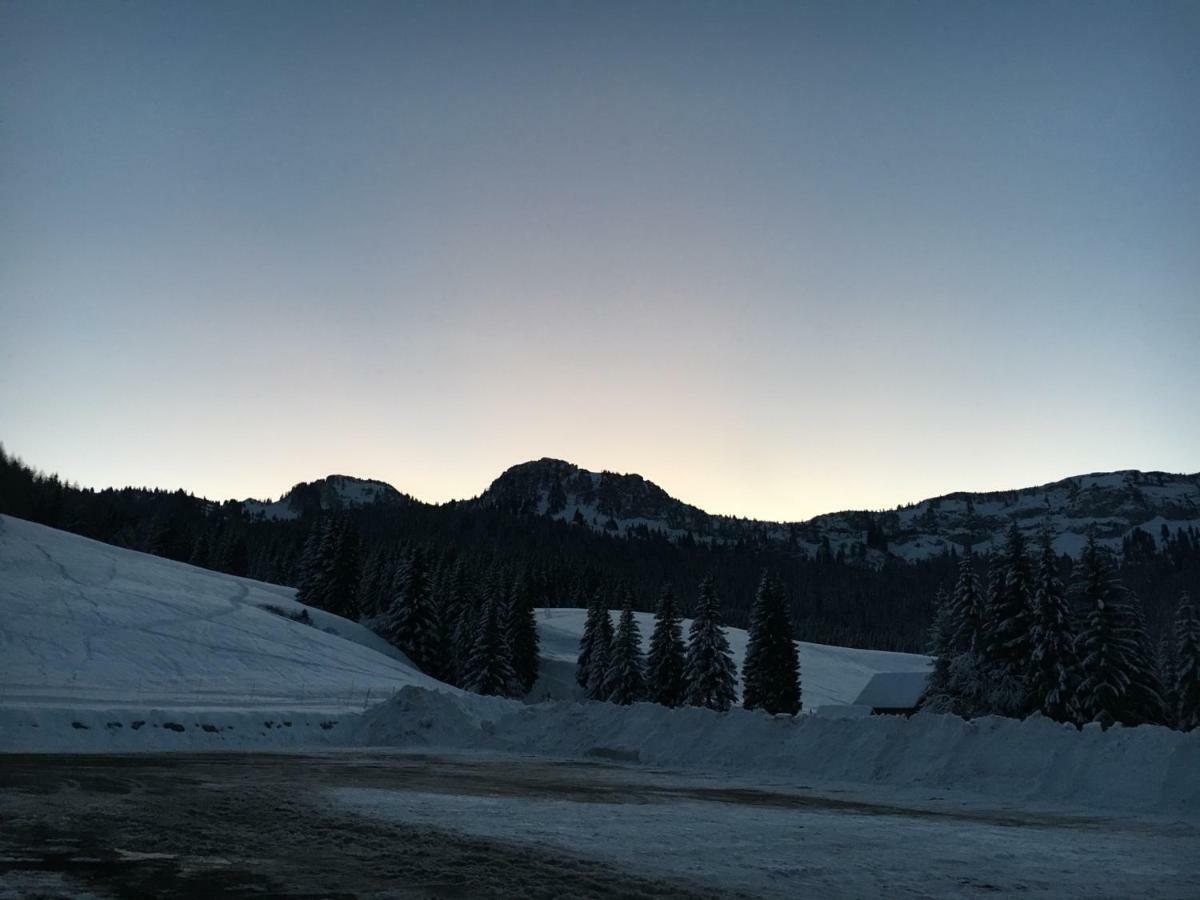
x=1144, y=769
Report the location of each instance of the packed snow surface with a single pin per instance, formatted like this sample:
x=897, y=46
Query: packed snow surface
x=88, y=625
x=828, y=675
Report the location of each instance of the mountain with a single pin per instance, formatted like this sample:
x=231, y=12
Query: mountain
x=1112, y=503
x=334, y=493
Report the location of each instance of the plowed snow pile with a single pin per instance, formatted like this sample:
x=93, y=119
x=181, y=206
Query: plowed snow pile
x=1144, y=769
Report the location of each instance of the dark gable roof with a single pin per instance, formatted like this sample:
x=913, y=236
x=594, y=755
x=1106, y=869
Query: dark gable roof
x=893, y=690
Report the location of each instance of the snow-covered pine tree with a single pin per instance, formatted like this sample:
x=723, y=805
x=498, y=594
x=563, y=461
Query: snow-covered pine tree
x=1009, y=615
x=316, y=565
x=346, y=569
x=1112, y=645
x=967, y=606
x=409, y=623
x=1187, y=664
x=664, y=668
x=1168, y=677
x=1146, y=695
x=960, y=681
x=520, y=624
x=375, y=573
x=447, y=602
x=771, y=671
x=587, y=641
x=627, y=675
x=489, y=670
x=936, y=696
x=709, y=670
x=598, y=666
x=465, y=622
x=1052, y=663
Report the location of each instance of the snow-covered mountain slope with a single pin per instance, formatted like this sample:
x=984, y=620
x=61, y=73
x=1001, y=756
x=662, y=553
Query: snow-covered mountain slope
x=88, y=625
x=335, y=492
x=1112, y=503
x=829, y=675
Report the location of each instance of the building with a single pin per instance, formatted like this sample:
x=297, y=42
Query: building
x=893, y=693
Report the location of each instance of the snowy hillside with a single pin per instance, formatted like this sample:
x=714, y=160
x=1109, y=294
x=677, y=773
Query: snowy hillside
x=88, y=625
x=1112, y=503
x=829, y=675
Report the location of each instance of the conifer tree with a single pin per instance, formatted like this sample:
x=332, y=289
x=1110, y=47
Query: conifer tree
x=316, y=565
x=592, y=627
x=1168, y=677
x=771, y=671
x=409, y=623
x=710, y=672
x=664, y=670
x=1052, y=662
x=1147, y=701
x=1008, y=622
x=1114, y=669
x=1187, y=664
x=489, y=670
x=520, y=624
x=345, y=569
x=598, y=667
x=967, y=607
x=376, y=571
x=448, y=599
x=937, y=690
x=627, y=677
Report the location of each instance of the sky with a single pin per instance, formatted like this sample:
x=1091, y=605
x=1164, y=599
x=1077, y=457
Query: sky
x=779, y=258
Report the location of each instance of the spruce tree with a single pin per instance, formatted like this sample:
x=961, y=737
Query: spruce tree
x=1116, y=683
x=1010, y=612
x=967, y=606
x=1052, y=662
x=710, y=672
x=316, y=565
x=936, y=696
x=520, y=624
x=588, y=640
x=627, y=677
x=1187, y=664
x=409, y=623
x=771, y=671
x=1168, y=677
x=598, y=667
x=664, y=670
x=489, y=670
x=449, y=599
x=345, y=569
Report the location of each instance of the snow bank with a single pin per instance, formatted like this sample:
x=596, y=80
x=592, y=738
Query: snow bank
x=1145, y=769
x=828, y=674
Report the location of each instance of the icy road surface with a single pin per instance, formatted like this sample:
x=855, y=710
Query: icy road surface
x=354, y=824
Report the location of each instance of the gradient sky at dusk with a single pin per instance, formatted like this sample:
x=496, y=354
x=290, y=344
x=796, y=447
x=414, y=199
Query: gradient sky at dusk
x=781, y=259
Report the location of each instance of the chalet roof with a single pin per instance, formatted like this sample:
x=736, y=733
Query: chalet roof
x=893, y=690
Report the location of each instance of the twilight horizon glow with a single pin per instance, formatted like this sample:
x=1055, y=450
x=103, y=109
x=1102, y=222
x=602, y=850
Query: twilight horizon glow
x=781, y=258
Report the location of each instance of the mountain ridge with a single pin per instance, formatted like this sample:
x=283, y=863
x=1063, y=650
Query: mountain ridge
x=1113, y=504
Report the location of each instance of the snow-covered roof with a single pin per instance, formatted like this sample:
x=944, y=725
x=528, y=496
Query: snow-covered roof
x=893, y=690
